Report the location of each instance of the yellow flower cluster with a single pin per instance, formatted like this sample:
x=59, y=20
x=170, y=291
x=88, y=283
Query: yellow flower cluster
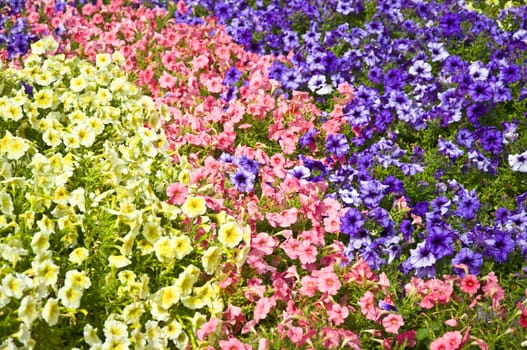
x=85, y=229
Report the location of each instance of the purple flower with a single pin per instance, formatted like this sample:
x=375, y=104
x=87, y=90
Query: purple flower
x=465, y=138
x=421, y=256
x=472, y=260
x=450, y=24
x=499, y=245
x=232, y=76
x=480, y=91
x=491, y=140
x=243, y=180
x=440, y=241
x=448, y=148
x=372, y=192
x=351, y=222
x=291, y=79
x=300, y=172
x=518, y=162
x=467, y=204
x=308, y=138
x=337, y=144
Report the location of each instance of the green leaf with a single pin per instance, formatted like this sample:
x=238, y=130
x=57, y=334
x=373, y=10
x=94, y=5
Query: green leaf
x=421, y=333
x=435, y=325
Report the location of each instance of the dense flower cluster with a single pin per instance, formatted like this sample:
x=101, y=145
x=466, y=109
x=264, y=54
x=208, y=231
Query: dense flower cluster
x=438, y=79
x=206, y=195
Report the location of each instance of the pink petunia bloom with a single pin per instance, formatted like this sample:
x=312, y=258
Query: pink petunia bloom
x=263, y=307
x=283, y=219
x=167, y=81
x=177, y=193
x=209, y=327
x=328, y=282
x=233, y=344
x=493, y=290
x=309, y=286
x=367, y=306
x=392, y=323
x=470, y=284
x=449, y=341
x=307, y=253
x=264, y=243
x=337, y=314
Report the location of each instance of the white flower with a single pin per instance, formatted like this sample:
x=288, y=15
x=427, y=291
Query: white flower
x=118, y=261
x=51, y=312
x=70, y=297
x=518, y=162
x=77, y=279
x=28, y=310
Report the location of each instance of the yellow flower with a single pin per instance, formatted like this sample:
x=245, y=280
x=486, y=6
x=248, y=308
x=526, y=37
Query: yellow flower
x=115, y=329
x=40, y=242
x=51, y=312
x=90, y=335
x=78, y=255
x=48, y=272
x=168, y=296
x=70, y=297
x=184, y=176
x=77, y=279
x=132, y=312
x=38, y=48
x=118, y=261
x=6, y=203
x=182, y=246
x=173, y=330
x=84, y=134
x=194, y=206
x=14, y=286
x=44, y=98
x=164, y=249
x=78, y=83
x=51, y=137
x=70, y=141
x=152, y=230
x=187, y=278
x=60, y=196
x=211, y=259
x=230, y=234
x=28, y=310
x=12, y=112
x=14, y=146
x=102, y=60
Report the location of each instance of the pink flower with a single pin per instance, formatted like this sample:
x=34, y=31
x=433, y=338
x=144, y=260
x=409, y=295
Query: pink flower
x=166, y=81
x=367, y=306
x=451, y=322
x=181, y=7
x=392, y=323
x=470, y=284
x=283, y=219
x=264, y=243
x=328, y=282
x=449, y=341
x=207, y=328
x=493, y=290
x=233, y=344
x=337, y=314
x=177, y=193
x=309, y=286
x=263, y=307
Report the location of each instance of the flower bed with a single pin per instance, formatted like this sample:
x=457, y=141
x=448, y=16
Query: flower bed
x=165, y=187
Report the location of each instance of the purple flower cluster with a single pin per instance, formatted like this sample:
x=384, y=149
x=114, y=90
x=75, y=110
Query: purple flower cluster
x=246, y=172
